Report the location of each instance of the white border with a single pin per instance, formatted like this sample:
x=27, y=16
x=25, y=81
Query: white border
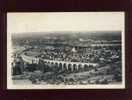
x=11, y=86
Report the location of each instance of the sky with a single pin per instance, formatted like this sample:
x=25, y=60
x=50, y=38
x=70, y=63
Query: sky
x=64, y=21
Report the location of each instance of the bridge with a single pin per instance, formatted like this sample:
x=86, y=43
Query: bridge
x=61, y=64
x=69, y=65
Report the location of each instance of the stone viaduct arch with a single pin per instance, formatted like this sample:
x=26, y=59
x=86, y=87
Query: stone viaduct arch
x=70, y=66
x=62, y=65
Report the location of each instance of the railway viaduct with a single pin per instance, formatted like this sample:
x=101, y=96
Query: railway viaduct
x=61, y=64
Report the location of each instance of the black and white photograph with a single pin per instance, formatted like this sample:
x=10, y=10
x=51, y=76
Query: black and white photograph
x=66, y=50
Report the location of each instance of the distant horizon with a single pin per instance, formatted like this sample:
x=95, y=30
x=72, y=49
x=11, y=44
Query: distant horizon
x=75, y=32
x=70, y=35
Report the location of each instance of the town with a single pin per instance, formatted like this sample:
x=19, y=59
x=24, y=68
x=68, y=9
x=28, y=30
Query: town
x=68, y=58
